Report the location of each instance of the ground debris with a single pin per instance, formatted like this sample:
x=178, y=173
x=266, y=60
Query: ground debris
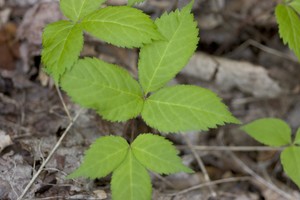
x=229, y=74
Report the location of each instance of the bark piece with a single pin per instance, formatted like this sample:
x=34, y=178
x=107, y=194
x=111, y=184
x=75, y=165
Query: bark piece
x=229, y=74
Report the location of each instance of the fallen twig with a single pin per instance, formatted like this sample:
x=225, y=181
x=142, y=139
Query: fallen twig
x=201, y=165
x=226, y=180
x=232, y=148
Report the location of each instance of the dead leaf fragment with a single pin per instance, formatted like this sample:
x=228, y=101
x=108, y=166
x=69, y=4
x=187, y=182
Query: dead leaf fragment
x=9, y=48
x=5, y=140
x=101, y=194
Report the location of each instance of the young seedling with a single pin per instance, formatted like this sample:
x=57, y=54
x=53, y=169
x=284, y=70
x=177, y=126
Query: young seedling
x=166, y=46
x=275, y=132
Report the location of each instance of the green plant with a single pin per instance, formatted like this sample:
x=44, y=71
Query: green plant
x=165, y=45
x=287, y=15
x=277, y=133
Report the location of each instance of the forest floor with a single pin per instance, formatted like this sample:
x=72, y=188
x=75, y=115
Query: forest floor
x=240, y=57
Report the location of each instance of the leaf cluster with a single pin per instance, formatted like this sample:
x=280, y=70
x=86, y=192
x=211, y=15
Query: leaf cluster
x=277, y=133
x=166, y=46
x=119, y=25
x=129, y=163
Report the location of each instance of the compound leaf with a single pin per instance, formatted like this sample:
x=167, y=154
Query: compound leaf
x=185, y=108
x=269, y=131
x=131, y=2
x=131, y=181
x=290, y=159
x=297, y=138
x=296, y=5
x=289, y=27
x=77, y=9
x=158, y=154
x=60, y=51
x=103, y=156
x=104, y=87
x=122, y=26
x=161, y=60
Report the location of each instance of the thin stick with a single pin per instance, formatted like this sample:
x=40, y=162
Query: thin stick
x=232, y=148
x=253, y=173
x=49, y=156
x=226, y=180
x=201, y=165
x=271, y=51
x=63, y=102
x=260, y=179
x=264, y=48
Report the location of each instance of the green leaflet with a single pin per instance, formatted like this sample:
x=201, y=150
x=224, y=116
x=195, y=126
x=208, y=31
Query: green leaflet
x=289, y=27
x=105, y=87
x=157, y=154
x=160, y=61
x=297, y=138
x=121, y=26
x=296, y=5
x=77, y=9
x=185, y=108
x=104, y=156
x=131, y=181
x=131, y=2
x=290, y=159
x=59, y=49
x=269, y=131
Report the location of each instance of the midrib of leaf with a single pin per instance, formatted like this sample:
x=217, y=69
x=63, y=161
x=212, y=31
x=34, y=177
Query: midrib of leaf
x=184, y=106
x=80, y=10
x=73, y=8
x=64, y=44
x=131, y=171
x=112, y=22
x=63, y=49
x=162, y=57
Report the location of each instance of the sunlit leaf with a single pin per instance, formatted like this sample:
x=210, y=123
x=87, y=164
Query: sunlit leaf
x=296, y=5
x=77, y=9
x=185, y=108
x=269, y=131
x=107, y=88
x=297, y=138
x=289, y=27
x=122, y=26
x=60, y=51
x=131, y=181
x=160, y=61
x=103, y=156
x=290, y=159
x=157, y=154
